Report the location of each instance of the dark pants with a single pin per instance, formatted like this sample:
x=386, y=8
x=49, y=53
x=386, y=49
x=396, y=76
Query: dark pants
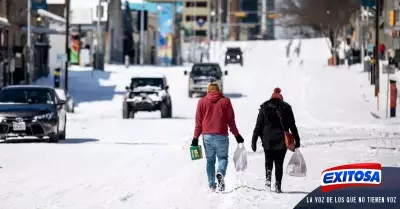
x=277, y=157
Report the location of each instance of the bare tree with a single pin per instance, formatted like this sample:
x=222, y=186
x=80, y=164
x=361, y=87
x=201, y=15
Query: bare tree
x=324, y=16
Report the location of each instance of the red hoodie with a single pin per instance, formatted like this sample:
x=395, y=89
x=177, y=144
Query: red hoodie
x=213, y=116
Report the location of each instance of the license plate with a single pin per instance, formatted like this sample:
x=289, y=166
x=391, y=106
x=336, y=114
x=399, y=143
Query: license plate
x=19, y=126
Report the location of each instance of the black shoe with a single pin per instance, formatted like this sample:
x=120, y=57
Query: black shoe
x=221, y=182
x=278, y=188
x=268, y=181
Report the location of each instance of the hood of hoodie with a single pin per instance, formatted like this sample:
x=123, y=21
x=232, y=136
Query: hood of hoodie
x=214, y=96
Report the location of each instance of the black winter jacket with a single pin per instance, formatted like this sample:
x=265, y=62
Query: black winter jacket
x=269, y=127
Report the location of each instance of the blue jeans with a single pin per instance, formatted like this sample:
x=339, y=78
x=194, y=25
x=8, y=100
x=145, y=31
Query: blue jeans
x=216, y=146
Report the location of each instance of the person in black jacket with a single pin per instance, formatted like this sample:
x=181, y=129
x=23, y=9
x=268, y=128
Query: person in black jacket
x=275, y=117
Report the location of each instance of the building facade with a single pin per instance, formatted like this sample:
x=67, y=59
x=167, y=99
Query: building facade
x=195, y=17
x=13, y=40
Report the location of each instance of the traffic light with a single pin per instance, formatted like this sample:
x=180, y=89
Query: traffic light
x=38, y=18
x=392, y=18
x=138, y=19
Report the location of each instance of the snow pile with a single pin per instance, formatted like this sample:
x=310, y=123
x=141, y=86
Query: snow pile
x=147, y=88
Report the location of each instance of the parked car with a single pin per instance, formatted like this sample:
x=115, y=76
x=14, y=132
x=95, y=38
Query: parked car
x=147, y=92
x=34, y=111
x=234, y=55
x=201, y=75
x=64, y=95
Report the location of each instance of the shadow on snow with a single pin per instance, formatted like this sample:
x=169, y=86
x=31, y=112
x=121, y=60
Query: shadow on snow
x=84, y=86
x=258, y=189
x=66, y=141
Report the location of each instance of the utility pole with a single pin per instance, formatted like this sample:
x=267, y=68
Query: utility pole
x=99, y=53
x=361, y=36
x=142, y=35
x=29, y=45
x=263, y=17
x=209, y=23
x=194, y=21
x=228, y=18
x=219, y=26
x=376, y=52
x=67, y=5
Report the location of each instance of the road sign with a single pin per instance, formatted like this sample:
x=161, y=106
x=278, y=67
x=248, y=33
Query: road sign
x=273, y=15
x=240, y=14
x=368, y=3
x=200, y=22
x=12, y=65
x=389, y=69
x=61, y=57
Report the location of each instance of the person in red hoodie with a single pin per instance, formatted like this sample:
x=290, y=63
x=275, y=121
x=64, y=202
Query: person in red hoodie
x=214, y=115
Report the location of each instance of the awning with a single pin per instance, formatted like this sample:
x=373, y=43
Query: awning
x=143, y=5
x=40, y=30
x=51, y=16
x=4, y=22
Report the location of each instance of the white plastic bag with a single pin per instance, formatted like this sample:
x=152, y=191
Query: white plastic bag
x=297, y=166
x=240, y=158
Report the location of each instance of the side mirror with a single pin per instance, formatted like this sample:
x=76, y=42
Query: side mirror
x=61, y=102
x=166, y=88
x=185, y=72
x=226, y=72
x=127, y=88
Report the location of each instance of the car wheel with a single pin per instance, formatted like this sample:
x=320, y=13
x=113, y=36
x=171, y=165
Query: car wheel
x=164, y=110
x=131, y=114
x=241, y=63
x=190, y=94
x=62, y=135
x=170, y=112
x=54, y=138
x=125, y=110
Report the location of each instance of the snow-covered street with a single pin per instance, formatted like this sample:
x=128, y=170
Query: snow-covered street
x=110, y=162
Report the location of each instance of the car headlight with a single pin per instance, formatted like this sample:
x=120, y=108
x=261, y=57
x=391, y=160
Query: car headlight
x=228, y=57
x=238, y=56
x=2, y=119
x=47, y=116
x=191, y=81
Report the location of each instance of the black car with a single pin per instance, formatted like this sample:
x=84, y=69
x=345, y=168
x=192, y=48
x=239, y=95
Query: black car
x=32, y=111
x=234, y=55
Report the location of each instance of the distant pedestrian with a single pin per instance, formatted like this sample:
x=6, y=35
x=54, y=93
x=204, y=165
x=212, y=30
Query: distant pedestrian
x=214, y=115
x=288, y=48
x=274, y=118
x=382, y=49
x=297, y=50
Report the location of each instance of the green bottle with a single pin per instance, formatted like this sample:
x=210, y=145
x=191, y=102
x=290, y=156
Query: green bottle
x=196, y=153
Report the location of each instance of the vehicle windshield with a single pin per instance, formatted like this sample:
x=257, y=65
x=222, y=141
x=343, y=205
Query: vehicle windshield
x=142, y=82
x=26, y=96
x=206, y=70
x=234, y=51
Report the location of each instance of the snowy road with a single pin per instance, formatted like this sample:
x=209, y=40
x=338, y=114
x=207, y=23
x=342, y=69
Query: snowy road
x=108, y=162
